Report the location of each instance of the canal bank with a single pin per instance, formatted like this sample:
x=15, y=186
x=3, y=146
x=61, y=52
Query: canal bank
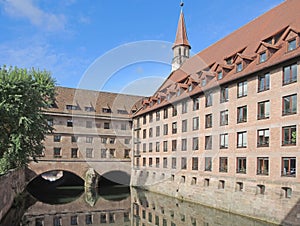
x=12, y=184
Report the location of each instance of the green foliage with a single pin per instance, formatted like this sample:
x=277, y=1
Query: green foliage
x=24, y=94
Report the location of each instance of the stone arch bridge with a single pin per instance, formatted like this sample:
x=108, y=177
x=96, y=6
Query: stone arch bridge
x=116, y=170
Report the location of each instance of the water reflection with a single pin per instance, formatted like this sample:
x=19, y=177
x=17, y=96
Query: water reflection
x=122, y=206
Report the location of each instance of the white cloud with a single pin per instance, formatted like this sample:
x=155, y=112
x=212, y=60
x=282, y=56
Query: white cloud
x=27, y=9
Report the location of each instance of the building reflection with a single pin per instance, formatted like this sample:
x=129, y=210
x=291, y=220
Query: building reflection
x=153, y=209
x=130, y=208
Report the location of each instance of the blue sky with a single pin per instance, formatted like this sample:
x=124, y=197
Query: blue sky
x=104, y=44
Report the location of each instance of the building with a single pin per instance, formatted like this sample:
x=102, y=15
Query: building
x=222, y=130
x=89, y=126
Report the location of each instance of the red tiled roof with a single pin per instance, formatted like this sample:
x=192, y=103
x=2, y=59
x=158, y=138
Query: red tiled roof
x=244, y=43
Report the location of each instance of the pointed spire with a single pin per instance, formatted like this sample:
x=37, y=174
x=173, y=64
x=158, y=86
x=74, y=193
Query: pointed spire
x=181, y=36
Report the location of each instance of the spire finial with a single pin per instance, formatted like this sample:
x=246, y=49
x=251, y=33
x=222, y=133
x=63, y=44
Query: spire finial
x=181, y=4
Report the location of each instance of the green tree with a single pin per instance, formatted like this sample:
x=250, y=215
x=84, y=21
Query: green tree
x=24, y=94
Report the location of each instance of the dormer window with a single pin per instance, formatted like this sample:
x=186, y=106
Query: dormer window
x=106, y=110
x=239, y=67
x=72, y=107
x=159, y=101
x=178, y=92
x=262, y=57
x=89, y=109
x=190, y=88
x=292, y=44
x=203, y=82
x=220, y=75
x=229, y=61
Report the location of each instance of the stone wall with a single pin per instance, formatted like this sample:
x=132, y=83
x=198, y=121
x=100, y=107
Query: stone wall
x=12, y=183
x=271, y=205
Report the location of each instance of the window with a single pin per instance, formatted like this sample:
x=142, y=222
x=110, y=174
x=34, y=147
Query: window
x=208, y=121
x=74, y=152
x=74, y=220
x=242, y=139
x=183, y=144
x=89, y=140
x=72, y=107
x=174, y=145
x=103, y=153
x=89, y=219
x=264, y=82
x=220, y=75
x=39, y=221
x=208, y=99
x=287, y=192
x=106, y=110
x=289, y=104
x=111, y=218
x=206, y=184
x=165, y=162
x=57, y=138
x=195, y=143
x=50, y=121
x=127, y=141
x=263, y=110
x=221, y=184
x=174, y=110
x=166, y=129
x=150, y=147
x=242, y=114
x=112, y=140
x=74, y=139
x=203, y=82
x=207, y=166
x=150, y=132
x=173, y=163
x=193, y=182
x=151, y=117
x=157, y=131
x=122, y=112
x=184, y=106
x=190, y=88
x=165, y=113
x=195, y=163
x=196, y=104
x=242, y=89
x=103, y=218
x=57, y=152
x=288, y=166
x=112, y=153
x=263, y=136
x=195, y=123
x=224, y=94
x=157, y=115
x=165, y=146
x=106, y=125
x=144, y=147
x=174, y=127
x=57, y=221
x=224, y=140
x=241, y=164
x=69, y=123
x=223, y=164
x=208, y=142
x=262, y=166
x=292, y=44
x=123, y=126
x=89, y=153
x=260, y=189
x=289, y=74
x=183, y=163
x=224, y=118
x=144, y=119
x=239, y=67
x=239, y=186
x=157, y=162
x=89, y=124
x=289, y=135
x=150, y=162
x=184, y=125
x=262, y=57
x=157, y=146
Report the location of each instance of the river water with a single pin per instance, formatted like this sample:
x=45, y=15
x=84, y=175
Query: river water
x=114, y=205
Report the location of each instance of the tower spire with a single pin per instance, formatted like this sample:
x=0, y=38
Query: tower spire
x=181, y=47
